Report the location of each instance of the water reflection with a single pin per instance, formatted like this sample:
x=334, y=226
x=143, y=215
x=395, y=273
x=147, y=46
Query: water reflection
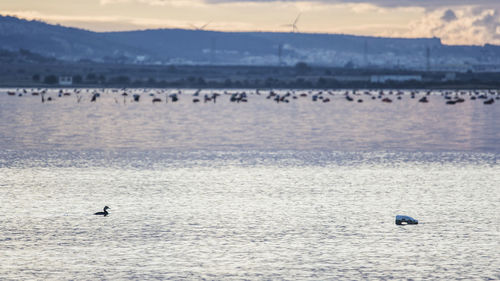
x=301, y=124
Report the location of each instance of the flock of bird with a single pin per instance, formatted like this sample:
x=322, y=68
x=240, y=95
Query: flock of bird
x=450, y=97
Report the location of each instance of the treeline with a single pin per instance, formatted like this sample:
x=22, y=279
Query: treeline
x=101, y=80
x=190, y=81
x=23, y=56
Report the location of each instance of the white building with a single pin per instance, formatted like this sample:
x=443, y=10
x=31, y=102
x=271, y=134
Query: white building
x=65, y=80
x=450, y=76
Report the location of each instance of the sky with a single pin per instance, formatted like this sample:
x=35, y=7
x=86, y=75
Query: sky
x=469, y=22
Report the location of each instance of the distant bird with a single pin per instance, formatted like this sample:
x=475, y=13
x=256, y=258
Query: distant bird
x=207, y=98
x=105, y=213
x=214, y=96
x=174, y=97
x=490, y=101
x=423, y=100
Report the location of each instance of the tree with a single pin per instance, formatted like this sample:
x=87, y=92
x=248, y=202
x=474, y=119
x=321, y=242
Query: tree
x=91, y=77
x=322, y=82
x=349, y=65
x=200, y=81
x=50, y=79
x=302, y=68
x=77, y=79
x=122, y=79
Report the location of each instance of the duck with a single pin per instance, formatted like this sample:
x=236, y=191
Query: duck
x=105, y=213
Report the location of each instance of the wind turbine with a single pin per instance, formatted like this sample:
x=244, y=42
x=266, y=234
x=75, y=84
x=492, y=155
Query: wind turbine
x=199, y=28
x=293, y=25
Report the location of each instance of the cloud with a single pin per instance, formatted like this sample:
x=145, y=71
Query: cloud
x=454, y=21
x=121, y=23
x=449, y=16
x=173, y=3
x=464, y=26
x=35, y=15
x=360, y=8
x=103, y=23
x=429, y=4
x=425, y=3
x=491, y=24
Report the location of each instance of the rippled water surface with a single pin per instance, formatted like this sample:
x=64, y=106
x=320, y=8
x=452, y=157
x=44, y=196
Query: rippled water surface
x=256, y=191
x=116, y=122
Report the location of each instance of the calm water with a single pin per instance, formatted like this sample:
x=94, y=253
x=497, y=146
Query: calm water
x=257, y=191
x=114, y=122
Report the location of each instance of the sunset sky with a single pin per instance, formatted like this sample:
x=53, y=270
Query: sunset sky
x=454, y=21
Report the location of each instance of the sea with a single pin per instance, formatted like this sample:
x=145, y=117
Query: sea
x=248, y=190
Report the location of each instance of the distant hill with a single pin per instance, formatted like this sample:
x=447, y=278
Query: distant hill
x=180, y=46
x=263, y=47
x=58, y=41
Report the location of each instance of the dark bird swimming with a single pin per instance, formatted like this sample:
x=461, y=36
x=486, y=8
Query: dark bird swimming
x=105, y=213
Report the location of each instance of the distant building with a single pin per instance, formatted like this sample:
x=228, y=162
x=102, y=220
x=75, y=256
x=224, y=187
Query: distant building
x=450, y=76
x=65, y=80
x=394, y=78
x=352, y=78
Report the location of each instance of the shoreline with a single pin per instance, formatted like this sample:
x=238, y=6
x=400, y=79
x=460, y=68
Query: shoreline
x=300, y=76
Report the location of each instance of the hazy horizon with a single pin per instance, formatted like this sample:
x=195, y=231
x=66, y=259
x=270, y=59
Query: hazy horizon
x=207, y=29
x=454, y=22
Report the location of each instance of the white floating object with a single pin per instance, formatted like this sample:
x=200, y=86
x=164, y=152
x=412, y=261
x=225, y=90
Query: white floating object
x=402, y=220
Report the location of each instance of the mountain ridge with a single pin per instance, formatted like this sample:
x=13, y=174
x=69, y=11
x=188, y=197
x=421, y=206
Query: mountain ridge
x=185, y=46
